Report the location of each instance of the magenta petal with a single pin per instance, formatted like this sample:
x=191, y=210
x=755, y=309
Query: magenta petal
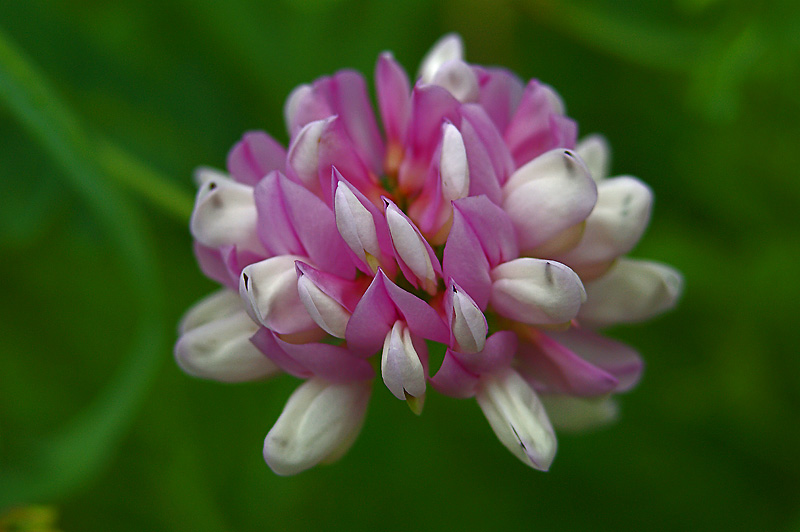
x=430, y=107
x=213, y=266
x=501, y=92
x=482, y=176
x=304, y=105
x=343, y=291
x=381, y=305
x=618, y=359
x=292, y=220
x=492, y=227
x=492, y=140
x=498, y=353
x=347, y=95
x=453, y=379
x=394, y=97
x=332, y=363
x=237, y=259
x=465, y=260
x=253, y=157
x=267, y=343
x=552, y=368
x=531, y=131
x=336, y=149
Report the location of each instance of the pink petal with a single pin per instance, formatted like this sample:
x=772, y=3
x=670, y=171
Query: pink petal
x=394, y=97
x=253, y=157
x=618, y=359
x=501, y=92
x=552, y=368
x=383, y=304
x=453, y=379
x=492, y=227
x=497, y=355
x=213, y=266
x=492, y=140
x=292, y=220
x=430, y=107
x=465, y=260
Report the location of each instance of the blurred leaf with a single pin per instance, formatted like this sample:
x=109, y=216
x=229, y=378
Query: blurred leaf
x=75, y=453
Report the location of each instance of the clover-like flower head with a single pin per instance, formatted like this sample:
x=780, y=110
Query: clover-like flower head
x=472, y=222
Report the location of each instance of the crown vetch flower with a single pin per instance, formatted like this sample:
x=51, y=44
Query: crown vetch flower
x=473, y=223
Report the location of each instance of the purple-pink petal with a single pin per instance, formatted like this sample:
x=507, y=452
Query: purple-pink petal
x=253, y=157
x=492, y=227
x=465, y=260
x=618, y=359
x=550, y=367
x=501, y=92
x=394, y=97
x=453, y=379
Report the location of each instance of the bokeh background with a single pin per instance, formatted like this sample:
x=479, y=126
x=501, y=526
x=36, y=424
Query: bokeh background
x=106, y=108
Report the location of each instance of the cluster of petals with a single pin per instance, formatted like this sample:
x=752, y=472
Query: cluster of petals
x=471, y=221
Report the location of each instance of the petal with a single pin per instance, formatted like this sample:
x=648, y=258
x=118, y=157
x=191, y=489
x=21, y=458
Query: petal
x=491, y=140
x=453, y=379
x=221, y=350
x=536, y=291
x=458, y=78
x=496, y=355
x=453, y=164
x=220, y=304
x=253, y=157
x=269, y=289
x=633, y=290
x=225, y=214
x=483, y=178
x=448, y=48
x=492, y=227
x=305, y=105
x=292, y=220
x=548, y=195
x=518, y=418
x=381, y=305
x=213, y=266
x=618, y=359
x=501, y=92
x=303, y=157
x=615, y=225
x=532, y=130
x=326, y=312
x=359, y=223
x=318, y=419
x=596, y=153
x=415, y=256
x=465, y=261
x=401, y=367
x=431, y=106
x=552, y=368
x=394, y=97
x=468, y=326
x=579, y=413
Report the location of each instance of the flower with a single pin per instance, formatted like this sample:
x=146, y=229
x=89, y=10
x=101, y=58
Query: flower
x=473, y=224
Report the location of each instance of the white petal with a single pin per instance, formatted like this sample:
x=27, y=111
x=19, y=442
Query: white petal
x=401, y=368
x=448, y=48
x=303, y=155
x=453, y=165
x=225, y=214
x=536, y=291
x=355, y=224
x=318, y=420
x=410, y=247
x=579, y=413
x=548, y=195
x=469, y=324
x=459, y=79
x=596, y=153
x=633, y=290
x=220, y=304
x=323, y=309
x=269, y=289
x=204, y=174
x=221, y=350
x=518, y=418
x=616, y=224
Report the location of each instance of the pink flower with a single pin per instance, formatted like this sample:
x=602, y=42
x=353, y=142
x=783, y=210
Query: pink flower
x=472, y=220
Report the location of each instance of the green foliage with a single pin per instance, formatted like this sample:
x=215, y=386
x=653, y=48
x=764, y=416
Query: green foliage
x=106, y=108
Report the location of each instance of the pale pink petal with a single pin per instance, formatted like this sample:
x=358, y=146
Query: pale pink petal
x=501, y=92
x=253, y=157
x=552, y=368
x=596, y=153
x=448, y=48
x=459, y=79
x=414, y=254
x=394, y=97
x=468, y=326
x=618, y=359
x=401, y=367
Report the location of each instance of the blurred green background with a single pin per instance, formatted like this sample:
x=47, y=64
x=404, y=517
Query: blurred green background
x=106, y=108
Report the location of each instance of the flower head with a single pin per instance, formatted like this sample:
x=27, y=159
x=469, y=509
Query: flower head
x=472, y=220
